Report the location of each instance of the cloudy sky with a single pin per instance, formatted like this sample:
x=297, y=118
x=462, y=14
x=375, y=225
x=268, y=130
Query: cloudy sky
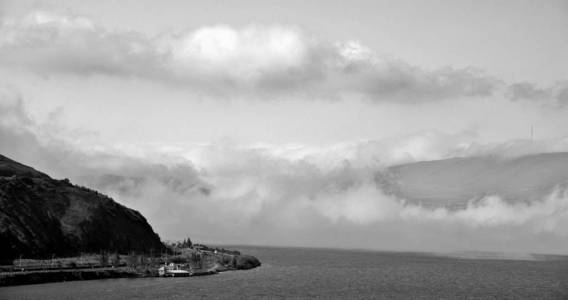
x=264, y=122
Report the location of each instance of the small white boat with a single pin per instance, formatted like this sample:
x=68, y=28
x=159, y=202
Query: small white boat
x=172, y=270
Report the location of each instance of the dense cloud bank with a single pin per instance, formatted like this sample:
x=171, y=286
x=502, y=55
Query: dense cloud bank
x=295, y=194
x=264, y=61
x=257, y=61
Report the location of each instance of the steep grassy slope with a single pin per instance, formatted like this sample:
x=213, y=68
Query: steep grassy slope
x=453, y=182
x=41, y=217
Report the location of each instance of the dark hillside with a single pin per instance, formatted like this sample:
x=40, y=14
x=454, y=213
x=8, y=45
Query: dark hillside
x=41, y=217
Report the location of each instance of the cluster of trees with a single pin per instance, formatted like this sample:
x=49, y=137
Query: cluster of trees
x=185, y=243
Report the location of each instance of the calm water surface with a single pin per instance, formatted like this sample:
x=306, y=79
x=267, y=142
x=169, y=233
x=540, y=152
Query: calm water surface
x=323, y=273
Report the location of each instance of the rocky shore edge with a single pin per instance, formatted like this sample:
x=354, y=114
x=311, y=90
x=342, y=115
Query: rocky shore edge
x=241, y=262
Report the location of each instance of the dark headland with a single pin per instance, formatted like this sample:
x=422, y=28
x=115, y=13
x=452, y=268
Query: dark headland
x=53, y=230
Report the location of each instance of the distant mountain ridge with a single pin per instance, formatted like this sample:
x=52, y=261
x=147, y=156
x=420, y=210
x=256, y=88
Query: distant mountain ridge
x=41, y=216
x=453, y=182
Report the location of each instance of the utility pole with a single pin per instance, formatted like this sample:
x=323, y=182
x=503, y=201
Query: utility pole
x=532, y=133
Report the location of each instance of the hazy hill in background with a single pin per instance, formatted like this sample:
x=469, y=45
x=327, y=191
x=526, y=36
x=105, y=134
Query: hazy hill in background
x=454, y=182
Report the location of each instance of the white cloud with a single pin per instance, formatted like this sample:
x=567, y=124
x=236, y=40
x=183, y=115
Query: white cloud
x=49, y=44
x=549, y=215
x=249, y=52
x=41, y=19
x=257, y=60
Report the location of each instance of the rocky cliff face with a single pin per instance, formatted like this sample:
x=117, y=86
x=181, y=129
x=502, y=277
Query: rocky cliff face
x=41, y=217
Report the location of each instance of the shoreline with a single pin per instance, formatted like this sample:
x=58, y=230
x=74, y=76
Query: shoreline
x=38, y=277
x=63, y=275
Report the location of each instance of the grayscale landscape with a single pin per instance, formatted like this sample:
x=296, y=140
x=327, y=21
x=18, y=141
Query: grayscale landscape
x=283, y=149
